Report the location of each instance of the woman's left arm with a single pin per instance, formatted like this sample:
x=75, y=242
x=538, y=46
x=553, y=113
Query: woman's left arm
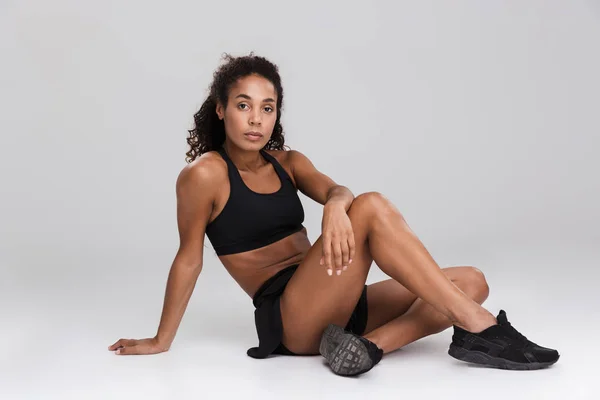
x=337, y=233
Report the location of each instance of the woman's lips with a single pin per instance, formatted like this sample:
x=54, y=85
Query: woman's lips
x=253, y=135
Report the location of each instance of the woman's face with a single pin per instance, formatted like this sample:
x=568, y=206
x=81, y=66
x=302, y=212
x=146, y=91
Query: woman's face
x=251, y=112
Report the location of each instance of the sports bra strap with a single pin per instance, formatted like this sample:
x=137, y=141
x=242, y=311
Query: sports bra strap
x=278, y=168
x=232, y=170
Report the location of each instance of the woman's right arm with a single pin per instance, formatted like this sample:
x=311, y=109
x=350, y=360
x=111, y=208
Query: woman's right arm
x=196, y=191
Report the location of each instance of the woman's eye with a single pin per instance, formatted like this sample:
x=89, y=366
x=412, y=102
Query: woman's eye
x=240, y=105
x=269, y=109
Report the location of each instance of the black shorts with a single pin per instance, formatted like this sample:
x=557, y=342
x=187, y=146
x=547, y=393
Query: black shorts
x=267, y=315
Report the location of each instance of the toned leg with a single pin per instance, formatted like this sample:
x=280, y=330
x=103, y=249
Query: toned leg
x=402, y=256
x=397, y=317
x=312, y=299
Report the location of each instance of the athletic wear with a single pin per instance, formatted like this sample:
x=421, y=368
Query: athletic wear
x=348, y=354
x=267, y=315
x=251, y=220
x=500, y=346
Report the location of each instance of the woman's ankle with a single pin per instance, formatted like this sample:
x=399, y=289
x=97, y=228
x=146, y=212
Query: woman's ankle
x=476, y=320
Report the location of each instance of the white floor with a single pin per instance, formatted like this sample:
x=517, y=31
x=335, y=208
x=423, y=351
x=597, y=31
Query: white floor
x=56, y=330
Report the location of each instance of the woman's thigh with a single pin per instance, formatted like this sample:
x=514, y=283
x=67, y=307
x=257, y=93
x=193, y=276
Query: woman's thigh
x=312, y=299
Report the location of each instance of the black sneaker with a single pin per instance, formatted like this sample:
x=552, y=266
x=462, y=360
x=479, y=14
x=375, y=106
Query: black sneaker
x=348, y=354
x=500, y=346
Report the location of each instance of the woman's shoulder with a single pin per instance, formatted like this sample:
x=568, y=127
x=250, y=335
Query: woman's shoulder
x=205, y=171
x=286, y=157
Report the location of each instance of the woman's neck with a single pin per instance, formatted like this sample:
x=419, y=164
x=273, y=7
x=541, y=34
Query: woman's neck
x=244, y=160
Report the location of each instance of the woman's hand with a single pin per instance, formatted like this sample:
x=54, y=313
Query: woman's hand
x=138, y=346
x=337, y=237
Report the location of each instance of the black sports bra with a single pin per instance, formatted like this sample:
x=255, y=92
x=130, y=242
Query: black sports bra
x=251, y=220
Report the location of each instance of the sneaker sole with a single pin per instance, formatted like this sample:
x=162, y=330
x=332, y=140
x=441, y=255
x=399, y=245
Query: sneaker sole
x=477, y=357
x=348, y=358
x=330, y=339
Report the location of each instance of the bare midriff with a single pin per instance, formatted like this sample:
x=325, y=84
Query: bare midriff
x=252, y=268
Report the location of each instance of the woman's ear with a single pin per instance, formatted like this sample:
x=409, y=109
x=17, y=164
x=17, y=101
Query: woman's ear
x=220, y=111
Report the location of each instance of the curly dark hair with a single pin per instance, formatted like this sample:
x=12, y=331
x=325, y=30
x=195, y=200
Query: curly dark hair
x=209, y=131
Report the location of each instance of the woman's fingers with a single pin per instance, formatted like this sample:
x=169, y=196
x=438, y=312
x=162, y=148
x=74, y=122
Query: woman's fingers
x=121, y=343
x=345, y=254
x=131, y=350
x=141, y=346
x=351, y=248
x=337, y=254
x=327, y=253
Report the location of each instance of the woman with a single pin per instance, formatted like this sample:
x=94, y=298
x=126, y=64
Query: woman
x=240, y=189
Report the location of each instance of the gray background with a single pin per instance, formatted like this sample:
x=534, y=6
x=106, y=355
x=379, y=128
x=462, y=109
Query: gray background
x=479, y=120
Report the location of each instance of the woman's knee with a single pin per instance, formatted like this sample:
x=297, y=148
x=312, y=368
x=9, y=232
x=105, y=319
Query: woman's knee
x=371, y=204
x=475, y=283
